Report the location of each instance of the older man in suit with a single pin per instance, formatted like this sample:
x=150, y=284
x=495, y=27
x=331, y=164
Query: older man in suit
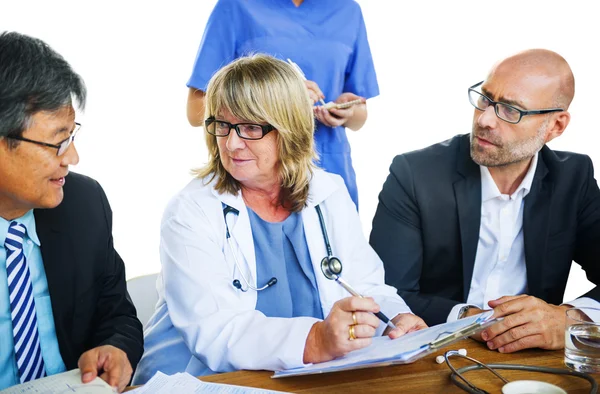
x=63, y=297
x=494, y=219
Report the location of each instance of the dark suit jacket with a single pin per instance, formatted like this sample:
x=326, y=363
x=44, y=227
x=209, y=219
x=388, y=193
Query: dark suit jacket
x=426, y=227
x=86, y=276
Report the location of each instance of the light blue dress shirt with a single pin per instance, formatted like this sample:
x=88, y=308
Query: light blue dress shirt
x=52, y=359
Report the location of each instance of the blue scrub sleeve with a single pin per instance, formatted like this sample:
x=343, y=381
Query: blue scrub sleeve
x=360, y=73
x=218, y=45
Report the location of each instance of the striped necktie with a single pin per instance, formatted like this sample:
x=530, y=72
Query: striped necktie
x=24, y=320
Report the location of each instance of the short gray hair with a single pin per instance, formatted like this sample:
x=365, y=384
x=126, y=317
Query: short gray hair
x=33, y=78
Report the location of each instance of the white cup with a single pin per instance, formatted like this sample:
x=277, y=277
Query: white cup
x=531, y=387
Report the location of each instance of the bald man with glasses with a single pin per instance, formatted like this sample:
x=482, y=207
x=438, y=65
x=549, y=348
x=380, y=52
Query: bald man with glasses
x=493, y=219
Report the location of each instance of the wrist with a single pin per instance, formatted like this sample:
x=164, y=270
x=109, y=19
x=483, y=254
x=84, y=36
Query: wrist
x=468, y=310
x=313, y=349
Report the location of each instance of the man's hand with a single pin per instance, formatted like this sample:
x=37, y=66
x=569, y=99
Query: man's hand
x=108, y=362
x=405, y=323
x=528, y=323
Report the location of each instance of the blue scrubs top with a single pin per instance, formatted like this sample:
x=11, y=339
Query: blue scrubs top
x=282, y=252
x=326, y=38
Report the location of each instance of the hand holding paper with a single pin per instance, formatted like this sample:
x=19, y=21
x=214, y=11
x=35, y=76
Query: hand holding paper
x=63, y=383
x=109, y=362
x=405, y=323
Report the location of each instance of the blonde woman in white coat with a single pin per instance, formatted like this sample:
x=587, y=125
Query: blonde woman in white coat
x=241, y=246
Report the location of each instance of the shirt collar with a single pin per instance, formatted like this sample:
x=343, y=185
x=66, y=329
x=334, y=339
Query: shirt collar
x=28, y=220
x=489, y=189
x=321, y=186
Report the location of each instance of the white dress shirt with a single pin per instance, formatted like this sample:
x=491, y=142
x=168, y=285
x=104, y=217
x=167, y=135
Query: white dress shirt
x=500, y=260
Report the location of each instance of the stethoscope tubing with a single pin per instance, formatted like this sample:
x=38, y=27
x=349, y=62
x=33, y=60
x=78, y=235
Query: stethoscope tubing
x=467, y=386
x=331, y=271
x=236, y=283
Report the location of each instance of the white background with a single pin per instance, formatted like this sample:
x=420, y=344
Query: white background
x=136, y=57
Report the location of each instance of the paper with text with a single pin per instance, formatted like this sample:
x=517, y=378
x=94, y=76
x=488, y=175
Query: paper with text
x=62, y=383
x=186, y=383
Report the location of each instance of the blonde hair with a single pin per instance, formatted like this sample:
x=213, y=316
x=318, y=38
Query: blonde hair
x=262, y=89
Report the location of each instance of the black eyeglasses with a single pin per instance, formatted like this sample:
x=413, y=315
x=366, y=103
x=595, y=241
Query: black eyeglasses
x=504, y=111
x=247, y=131
x=61, y=147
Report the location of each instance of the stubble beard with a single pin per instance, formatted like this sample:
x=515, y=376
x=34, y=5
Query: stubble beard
x=503, y=153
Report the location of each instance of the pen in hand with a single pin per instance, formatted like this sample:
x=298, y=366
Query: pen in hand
x=350, y=290
x=301, y=73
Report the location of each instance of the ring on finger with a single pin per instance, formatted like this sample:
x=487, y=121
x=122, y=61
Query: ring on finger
x=351, y=334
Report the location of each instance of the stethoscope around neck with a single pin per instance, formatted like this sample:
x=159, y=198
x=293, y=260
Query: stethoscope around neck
x=331, y=266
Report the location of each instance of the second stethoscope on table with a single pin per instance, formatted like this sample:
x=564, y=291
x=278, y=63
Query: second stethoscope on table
x=331, y=266
x=530, y=386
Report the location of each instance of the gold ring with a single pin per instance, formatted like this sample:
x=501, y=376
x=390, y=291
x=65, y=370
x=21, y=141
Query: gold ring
x=351, y=335
x=354, y=318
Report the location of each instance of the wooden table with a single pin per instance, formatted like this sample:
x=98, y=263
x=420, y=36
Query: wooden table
x=422, y=376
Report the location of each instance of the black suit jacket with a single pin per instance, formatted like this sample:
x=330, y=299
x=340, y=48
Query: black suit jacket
x=86, y=276
x=426, y=227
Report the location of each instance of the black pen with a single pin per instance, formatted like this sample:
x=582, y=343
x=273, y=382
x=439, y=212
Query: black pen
x=350, y=290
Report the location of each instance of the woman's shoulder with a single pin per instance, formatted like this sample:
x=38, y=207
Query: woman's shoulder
x=198, y=188
x=197, y=196
x=325, y=186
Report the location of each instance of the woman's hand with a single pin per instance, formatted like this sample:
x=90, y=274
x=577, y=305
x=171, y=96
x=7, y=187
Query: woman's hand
x=332, y=337
x=314, y=91
x=405, y=323
x=353, y=117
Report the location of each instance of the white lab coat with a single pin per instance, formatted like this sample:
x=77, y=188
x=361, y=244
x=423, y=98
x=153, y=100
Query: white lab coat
x=203, y=324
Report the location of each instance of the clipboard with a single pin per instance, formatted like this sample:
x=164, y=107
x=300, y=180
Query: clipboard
x=384, y=351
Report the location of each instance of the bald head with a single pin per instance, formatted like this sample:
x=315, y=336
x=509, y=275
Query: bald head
x=546, y=69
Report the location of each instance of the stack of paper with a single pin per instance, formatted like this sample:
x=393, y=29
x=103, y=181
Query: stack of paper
x=186, y=383
x=67, y=382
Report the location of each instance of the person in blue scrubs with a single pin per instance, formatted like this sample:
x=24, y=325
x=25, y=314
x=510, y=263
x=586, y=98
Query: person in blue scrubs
x=327, y=39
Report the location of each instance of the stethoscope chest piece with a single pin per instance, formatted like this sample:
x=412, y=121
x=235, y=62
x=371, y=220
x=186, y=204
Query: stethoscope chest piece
x=331, y=267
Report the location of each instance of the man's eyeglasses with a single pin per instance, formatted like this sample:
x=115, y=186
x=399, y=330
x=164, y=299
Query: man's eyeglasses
x=247, y=131
x=61, y=147
x=504, y=111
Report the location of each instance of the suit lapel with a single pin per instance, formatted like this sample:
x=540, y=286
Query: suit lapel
x=536, y=214
x=467, y=191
